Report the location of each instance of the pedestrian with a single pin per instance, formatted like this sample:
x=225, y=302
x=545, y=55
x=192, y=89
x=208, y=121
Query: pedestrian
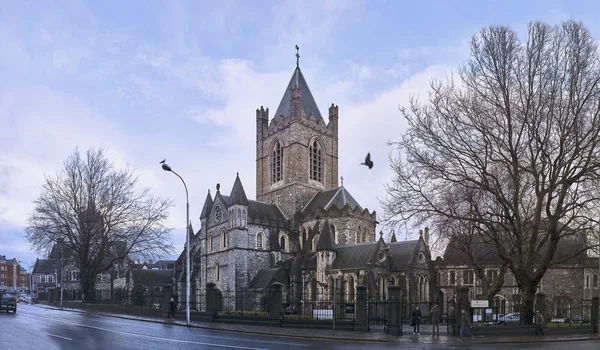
x=435, y=319
x=539, y=323
x=415, y=320
x=465, y=325
x=172, y=308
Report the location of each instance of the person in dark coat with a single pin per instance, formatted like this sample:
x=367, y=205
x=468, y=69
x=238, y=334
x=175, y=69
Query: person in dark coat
x=415, y=320
x=466, y=326
x=172, y=308
x=539, y=323
x=435, y=319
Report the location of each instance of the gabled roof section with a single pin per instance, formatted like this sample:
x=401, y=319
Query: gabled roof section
x=208, y=203
x=46, y=266
x=402, y=253
x=266, y=277
x=308, y=102
x=337, y=197
x=238, y=195
x=151, y=277
x=354, y=256
x=325, y=239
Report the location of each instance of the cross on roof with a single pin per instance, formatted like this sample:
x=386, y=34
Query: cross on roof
x=297, y=56
x=342, y=178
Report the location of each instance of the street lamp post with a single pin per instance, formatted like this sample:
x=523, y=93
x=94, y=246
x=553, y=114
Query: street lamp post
x=166, y=167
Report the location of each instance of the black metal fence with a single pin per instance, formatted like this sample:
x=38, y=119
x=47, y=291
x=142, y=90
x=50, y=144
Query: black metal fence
x=324, y=306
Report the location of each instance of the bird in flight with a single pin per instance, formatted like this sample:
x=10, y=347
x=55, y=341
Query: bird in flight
x=163, y=161
x=368, y=162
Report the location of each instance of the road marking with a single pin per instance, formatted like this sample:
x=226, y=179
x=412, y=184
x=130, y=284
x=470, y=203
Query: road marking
x=163, y=338
x=58, y=336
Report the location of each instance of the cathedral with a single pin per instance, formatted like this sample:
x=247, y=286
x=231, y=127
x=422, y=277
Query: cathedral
x=304, y=230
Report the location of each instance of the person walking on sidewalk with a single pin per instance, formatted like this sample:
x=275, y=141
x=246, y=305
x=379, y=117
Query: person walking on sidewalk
x=539, y=323
x=435, y=319
x=465, y=325
x=172, y=308
x=415, y=320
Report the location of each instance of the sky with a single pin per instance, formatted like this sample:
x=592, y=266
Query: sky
x=181, y=80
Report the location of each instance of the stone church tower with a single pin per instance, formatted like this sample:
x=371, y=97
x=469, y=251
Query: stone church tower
x=297, y=153
x=303, y=230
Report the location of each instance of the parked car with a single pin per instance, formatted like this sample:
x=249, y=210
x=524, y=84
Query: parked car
x=560, y=319
x=8, y=302
x=512, y=318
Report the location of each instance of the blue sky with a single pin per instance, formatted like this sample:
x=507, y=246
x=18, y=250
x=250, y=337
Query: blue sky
x=182, y=80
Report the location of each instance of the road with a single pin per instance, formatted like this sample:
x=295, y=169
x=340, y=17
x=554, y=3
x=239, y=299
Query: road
x=34, y=328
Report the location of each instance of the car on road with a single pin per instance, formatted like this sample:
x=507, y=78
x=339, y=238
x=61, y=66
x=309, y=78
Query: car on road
x=8, y=302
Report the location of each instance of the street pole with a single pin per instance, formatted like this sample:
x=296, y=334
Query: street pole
x=61, y=282
x=165, y=167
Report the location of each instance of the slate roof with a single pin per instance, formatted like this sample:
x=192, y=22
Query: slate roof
x=148, y=277
x=208, y=203
x=265, y=277
x=325, y=238
x=337, y=197
x=260, y=211
x=46, y=265
x=308, y=101
x=353, y=256
x=402, y=253
x=238, y=195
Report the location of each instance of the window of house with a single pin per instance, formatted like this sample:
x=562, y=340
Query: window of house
x=239, y=217
x=595, y=281
x=210, y=243
x=244, y=217
x=451, y=278
x=277, y=162
x=587, y=281
x=2, y=284
x=336, y=237
x=217, y=272
x=1, y=268
x=1, y=275
x=316, y=162
x=157, y=289
x=492, y=275
x=260, y=240
x=98, y=294
x=49, y=278
x=468, y=277
x=283, y=242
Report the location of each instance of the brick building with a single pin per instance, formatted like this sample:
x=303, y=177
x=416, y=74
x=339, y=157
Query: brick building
x=13, y=277
x=304, y=229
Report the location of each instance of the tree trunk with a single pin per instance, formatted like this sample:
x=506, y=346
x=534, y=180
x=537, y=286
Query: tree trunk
x=528, y=301
x=88, y=282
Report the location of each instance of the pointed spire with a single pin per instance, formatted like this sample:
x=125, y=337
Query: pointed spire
x=325, y=240
x=208, y=203
x=393, y=239
x=238, y=195
x=191, y=231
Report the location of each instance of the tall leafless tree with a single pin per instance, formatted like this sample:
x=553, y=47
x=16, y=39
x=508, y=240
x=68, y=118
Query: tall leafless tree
x=519, y=133
x=99, y=217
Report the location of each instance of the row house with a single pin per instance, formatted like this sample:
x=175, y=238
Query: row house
x=13, y=277
x=568, y=286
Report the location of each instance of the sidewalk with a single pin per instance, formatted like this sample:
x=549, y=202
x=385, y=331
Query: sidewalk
x=426, y=336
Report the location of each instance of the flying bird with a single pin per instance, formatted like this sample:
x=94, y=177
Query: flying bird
x=163, y=161
x=368, y=162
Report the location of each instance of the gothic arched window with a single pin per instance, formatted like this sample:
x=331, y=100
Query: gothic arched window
x=217, y=272
x=316, y=162
x=223, y=238
x=277, y=163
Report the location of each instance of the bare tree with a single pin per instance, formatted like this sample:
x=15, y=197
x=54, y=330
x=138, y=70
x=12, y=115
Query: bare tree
x=520, y=135
x=96, y=213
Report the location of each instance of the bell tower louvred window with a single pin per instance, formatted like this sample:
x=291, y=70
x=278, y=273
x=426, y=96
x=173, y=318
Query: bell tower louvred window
x=316, y=162
x=277, y=163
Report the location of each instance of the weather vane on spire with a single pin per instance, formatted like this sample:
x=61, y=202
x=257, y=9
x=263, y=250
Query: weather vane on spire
x=297, y=56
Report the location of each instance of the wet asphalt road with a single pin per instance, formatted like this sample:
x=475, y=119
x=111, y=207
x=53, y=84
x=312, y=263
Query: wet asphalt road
x=39, y=328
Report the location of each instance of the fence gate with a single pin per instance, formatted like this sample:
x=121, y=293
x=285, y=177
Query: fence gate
x=377, y=315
